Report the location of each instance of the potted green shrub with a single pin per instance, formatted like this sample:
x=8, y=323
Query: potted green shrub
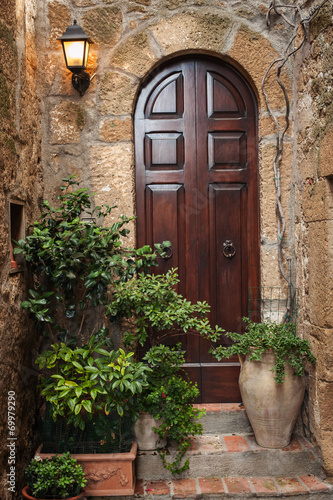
x=156, y=313
x=168, y=399
x=84, y=384
x=271, y=379
x=59, y=477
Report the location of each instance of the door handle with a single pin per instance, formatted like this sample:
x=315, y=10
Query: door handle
x=229, y=250
x=168, y=253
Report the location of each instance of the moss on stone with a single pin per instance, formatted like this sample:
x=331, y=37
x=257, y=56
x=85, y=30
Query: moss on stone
x=4, y=97
x=328, y=59
x=245, y=13
x=9, y=144
x=80, y=118
x=316, y=86
x=321, y=21
x=7, y=36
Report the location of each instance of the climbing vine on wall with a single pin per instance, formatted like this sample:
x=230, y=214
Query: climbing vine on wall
x=298, y=17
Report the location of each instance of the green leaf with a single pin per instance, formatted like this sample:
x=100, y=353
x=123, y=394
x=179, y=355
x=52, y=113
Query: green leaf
x=78, y=391
x=70, y=383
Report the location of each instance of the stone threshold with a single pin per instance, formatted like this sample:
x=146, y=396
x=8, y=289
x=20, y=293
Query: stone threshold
x=220, y=407
x=231, y=487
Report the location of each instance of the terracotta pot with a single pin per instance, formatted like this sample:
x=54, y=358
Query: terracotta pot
x=271, y=408
x=146, y=438
x=26, y=489
x=108, y=474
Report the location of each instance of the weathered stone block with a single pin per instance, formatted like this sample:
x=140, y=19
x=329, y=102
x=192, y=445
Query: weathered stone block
x=116, y=130
x=59, y=17
x=103, y=25
x=268, y=189
x=135, y=55
x=325, y=155
x=317, y=199
x=192, y=31
x=326, y=448
x=66, y=120
x=117, y=93
x=267, y=125
x=248, y=49
x=269, y=267
x=112, y=179
x=173, y=4
x=320, y=270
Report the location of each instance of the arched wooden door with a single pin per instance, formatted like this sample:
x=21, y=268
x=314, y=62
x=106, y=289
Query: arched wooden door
x=197, y=186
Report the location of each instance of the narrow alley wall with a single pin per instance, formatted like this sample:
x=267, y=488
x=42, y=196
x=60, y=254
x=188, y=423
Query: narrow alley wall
x=313, y=140
x=20, y=193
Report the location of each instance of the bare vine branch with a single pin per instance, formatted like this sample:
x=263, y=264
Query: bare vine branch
x=299, y=21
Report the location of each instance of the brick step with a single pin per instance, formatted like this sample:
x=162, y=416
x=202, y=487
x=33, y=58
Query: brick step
x=305, y=487
x=216, y=455
x=225, y=418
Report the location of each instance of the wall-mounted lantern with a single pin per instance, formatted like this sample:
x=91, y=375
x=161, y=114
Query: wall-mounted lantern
x=76, y=51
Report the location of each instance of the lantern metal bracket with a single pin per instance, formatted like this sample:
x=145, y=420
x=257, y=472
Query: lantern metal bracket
x=81, y=82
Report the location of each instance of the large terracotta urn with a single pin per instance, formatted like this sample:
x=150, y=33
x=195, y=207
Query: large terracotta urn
x=146, y=438
x=272, y=408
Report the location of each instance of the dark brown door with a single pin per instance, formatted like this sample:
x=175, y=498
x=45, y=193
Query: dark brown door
x=196, y=185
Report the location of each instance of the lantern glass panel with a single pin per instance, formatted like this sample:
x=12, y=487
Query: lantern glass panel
x=76, y=53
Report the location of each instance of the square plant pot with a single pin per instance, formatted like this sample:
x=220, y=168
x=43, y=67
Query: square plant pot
x=108, y=474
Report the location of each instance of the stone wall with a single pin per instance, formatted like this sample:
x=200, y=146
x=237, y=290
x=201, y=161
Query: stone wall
x=92, y=136
x=313, y=141
x=21, y=184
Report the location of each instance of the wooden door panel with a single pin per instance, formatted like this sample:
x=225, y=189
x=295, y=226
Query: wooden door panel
x=223, y=98
x=167, y=98
x=219, y=383
x=227, y=225
x=227, y=150
x=165, y=222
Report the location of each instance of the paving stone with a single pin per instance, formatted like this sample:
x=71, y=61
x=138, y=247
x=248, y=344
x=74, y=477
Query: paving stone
x=237, y=485
x=236, y=443
x=211, y=485
x=264, y=484
x=290, y=485
x=157, y=487
x=183, y=488
x=313, y=483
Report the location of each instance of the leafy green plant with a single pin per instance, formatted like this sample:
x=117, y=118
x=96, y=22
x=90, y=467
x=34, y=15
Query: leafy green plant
x=168, y=397
x=280, y=338
x=75, y=263
x=156, y=311
x=56, y=477
x=88, y=380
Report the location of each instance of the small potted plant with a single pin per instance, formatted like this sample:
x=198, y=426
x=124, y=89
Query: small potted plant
x=166, y=406
x=59, y=477
x=271, y=380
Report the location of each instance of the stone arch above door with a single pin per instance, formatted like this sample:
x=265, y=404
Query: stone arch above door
x=137, y=55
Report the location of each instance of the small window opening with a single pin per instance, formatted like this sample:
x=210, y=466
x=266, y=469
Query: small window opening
x=17, y=232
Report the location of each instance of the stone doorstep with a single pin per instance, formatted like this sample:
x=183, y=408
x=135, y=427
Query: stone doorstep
x=233, y=454
x=305, y=485
x=209, y=444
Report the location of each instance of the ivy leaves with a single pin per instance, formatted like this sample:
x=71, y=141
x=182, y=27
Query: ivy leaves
x=259, y=337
